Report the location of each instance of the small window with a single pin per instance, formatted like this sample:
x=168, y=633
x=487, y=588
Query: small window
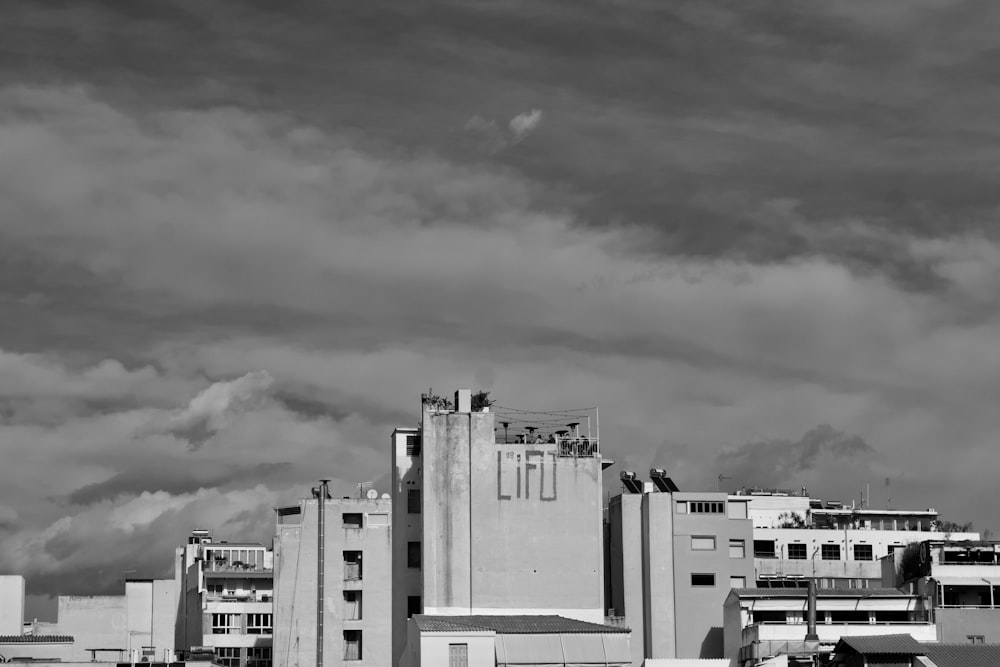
x=413, y=554
x=863, y=552
x=458, y=655
x=737, y=582
x=352, y=566
x=976, y=639
x=682, y=507
x=703, y=580
x=259, y=624
x=797, y=551
x=413, y=445
x=352, y=605
x=706, y=507
x=702, y=543
x=353, y=520
x=226, y=624
x=737, y=548
x=413, y=605
x=259, y=656
x=763, y=548
x=227, y=656
x=830, y=552
x=352, y=645
x=413, y=501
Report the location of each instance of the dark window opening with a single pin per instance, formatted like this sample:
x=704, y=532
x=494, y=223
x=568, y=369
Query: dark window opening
x=763, y=548
x=413, y=606
x=413, y=501
x=797, y=552
x=703, y=580
x=830, y=552
x=413, y=445
x=353, y=520
x=413, y=554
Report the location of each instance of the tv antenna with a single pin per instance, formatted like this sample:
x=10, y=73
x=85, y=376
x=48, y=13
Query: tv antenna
x=720, y=478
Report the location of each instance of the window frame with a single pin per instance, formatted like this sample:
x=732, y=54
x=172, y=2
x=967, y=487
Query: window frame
x=263, y=623
x=823, y=550
x=871, y=552
x=800, y=548
x=705, y=538
x=353, y=636
x=353, y=520
x=738, y=544
x=414, y=501
x=703, y=585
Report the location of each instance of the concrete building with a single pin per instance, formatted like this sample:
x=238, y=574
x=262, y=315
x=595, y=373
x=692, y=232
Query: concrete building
x=797, y=538
x=225, y=590
x=673, y=558
x=498, y=512
x=11, y=604
x=509, y=640
x=356, y=588
x=962, y=577
x=762, y=623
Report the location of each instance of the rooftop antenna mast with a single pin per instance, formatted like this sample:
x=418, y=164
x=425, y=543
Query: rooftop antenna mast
x=720, y=478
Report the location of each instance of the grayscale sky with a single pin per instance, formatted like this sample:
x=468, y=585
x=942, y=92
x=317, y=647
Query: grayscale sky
x=239, y=238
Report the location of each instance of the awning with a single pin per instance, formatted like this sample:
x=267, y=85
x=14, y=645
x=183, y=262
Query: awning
x=967, y=581
x=563, y=650
x=535, y=650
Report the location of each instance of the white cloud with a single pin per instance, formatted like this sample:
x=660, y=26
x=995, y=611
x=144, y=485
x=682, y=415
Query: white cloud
x=525, y=123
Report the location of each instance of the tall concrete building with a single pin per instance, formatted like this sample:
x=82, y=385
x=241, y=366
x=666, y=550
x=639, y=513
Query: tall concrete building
x=11, y=604
x=226, y=590
x=497, y=512
x=356, y=589
x=674, y=556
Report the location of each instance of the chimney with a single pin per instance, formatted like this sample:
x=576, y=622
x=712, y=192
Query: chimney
x=811, y=635
x=463, y=400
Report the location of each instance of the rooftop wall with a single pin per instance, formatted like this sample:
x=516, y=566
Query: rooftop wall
x=11, y=604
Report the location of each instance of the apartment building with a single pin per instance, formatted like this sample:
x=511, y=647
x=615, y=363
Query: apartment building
x=498, y=513
x=798, y=538
x=674, y=556
x=764, y=623
x=963, y=579
x=351, y=608
x=226, y=590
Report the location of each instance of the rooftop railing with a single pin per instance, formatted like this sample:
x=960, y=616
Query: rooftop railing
x=566, y=447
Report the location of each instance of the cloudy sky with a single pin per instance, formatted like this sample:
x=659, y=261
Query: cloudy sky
x=239, y=238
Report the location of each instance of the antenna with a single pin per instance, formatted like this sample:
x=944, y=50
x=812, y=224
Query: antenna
x=362, y=487
x=888, y=495
x=721, y=477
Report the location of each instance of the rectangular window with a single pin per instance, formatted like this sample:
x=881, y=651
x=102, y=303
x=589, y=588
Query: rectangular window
x=863, y=552
x=214, y=589
x=797, y=552
x=226, y=624
x=352, y=605
x=227, y=656
x=353, y=520
x=413, y=501
x=737, y=548
x=352, y=566
x=458, y=655
x=706, y=507
x=682, y=507
x=413, y=605
x=352, y=644
x=259, y=624
x=378, y=519
x=763, y=548
x=259, y=656
x=830, y=552
x=413, y=554
x=769, y=616
x=737, y=582
x=737, y=510
x=703, y=580
x=702, y=543
x=413, y=445
x=976, y=639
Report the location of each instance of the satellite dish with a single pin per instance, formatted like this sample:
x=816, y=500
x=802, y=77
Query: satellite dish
x=386, y=496
x=372, y=494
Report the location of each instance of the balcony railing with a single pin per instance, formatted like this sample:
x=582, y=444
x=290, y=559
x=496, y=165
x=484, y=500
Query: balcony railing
x=565, y=447
x=239, y=597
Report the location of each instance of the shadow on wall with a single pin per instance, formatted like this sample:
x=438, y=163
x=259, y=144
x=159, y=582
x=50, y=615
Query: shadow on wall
x=711, y=645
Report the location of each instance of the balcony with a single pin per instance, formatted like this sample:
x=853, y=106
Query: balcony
x=239, y=596
x=221, y=568
x=764, y=633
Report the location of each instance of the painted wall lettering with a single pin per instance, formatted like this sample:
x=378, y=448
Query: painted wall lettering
x=536, y=468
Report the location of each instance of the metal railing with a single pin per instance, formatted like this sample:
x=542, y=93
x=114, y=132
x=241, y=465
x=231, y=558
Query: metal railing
x=565, y=447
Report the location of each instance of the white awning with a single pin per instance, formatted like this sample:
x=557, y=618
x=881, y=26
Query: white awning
x=563, y=650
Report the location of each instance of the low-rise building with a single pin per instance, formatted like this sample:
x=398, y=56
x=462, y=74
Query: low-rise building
x=356, y=592
x=761, y=623
x=904, y=650
x=226, y=590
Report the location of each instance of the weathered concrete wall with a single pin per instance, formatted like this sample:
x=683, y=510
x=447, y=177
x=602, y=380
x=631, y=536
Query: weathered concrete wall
x=658, y=575
x=434, y=648
x=99, y=621
x=406, y=527
x=626, y=570
x=956, y=625
x=12, y=605
x=295, y=612
x=59, y=654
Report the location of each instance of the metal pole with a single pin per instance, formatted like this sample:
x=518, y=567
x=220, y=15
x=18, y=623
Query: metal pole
x=321, y=570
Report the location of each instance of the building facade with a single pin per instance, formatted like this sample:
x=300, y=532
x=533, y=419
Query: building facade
x=226, y=591
x=357, y=583
x=499, y=513
x=674, y=556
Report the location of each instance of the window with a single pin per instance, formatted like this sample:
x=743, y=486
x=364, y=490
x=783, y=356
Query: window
x=976, y=639
x=259, y=624
x=848, y=616
x=458, y=655
x=892, y=616
x=682, y=507
x=769, y=616
x=413, y=554
x=226, y=624
x=763, y=548
x=737, y=548
x=259, y=656
x=352, y=644
x=352, y=605
x=227, y=656
x=893, y=547
x=413, y=605
x=702, y=543
x=703, y=580
x=863, y=552
x=413, y=445
x=214, y=589
x=352, y=520
x=352, y=566
x=797, y=551
x=737, y=582
x=413, y=501
x=737, y=510
x=830, y=552
x=706, y=507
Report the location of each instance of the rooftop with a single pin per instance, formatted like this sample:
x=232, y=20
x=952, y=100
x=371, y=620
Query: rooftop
x=963, y=655
x=882, y=645
x=36, y=639
x=513, y=625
